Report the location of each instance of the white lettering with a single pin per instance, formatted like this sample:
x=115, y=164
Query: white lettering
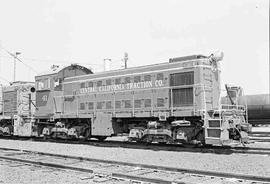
x=118, y=87
x=158, y=83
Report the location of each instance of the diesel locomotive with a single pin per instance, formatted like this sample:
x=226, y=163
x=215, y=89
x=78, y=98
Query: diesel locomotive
x=172, y=102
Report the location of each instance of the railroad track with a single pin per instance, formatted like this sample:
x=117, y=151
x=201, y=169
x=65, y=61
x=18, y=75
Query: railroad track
x=260, y=136
x=153, y=146
x=124, y=171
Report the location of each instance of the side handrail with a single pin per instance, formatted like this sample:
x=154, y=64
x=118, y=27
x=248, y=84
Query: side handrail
x=232, y=107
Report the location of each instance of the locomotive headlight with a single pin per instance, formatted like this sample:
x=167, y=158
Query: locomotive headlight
x=217, y=56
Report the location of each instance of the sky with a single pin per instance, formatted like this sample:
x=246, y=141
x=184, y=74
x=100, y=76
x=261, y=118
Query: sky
x=86, y=32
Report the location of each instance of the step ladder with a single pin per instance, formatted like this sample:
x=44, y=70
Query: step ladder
x=213, y=131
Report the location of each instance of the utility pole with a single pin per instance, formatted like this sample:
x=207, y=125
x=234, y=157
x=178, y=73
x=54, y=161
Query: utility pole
x=14, y=68
x=125, y=59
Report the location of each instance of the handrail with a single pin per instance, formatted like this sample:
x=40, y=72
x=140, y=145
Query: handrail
x=232, y=107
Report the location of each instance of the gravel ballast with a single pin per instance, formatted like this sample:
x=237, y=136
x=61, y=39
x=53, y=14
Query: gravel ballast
x=232, y=163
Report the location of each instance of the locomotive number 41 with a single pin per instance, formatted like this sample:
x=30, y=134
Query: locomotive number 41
x=45, y=98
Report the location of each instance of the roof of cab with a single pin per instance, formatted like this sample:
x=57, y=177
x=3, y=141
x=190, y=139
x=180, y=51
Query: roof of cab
x=56, y=69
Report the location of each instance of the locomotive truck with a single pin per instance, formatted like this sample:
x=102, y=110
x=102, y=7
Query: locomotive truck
x=172, y=102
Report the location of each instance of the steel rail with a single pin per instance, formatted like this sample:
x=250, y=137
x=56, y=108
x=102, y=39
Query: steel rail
x=60, y=166
x=153, y=146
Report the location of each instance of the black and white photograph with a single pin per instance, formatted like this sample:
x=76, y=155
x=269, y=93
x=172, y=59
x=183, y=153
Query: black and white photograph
x=134, y=92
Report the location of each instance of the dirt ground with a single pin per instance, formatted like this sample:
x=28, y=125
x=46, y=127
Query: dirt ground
x=17, y=173
x=232, y=163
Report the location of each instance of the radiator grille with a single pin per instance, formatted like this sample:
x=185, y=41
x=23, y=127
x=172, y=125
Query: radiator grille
x=182, y=96
x=10, y=102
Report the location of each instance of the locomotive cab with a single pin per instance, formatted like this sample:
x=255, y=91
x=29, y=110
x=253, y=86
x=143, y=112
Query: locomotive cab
x=49, y=102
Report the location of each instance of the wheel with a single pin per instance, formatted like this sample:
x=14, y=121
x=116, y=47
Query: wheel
x=86, y=134
x=101, y=138
x=148, y=139
x=54, y=135
x=45, y=137
x=188, y=145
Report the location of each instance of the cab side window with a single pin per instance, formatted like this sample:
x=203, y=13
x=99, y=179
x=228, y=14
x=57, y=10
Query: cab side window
x=43, y=84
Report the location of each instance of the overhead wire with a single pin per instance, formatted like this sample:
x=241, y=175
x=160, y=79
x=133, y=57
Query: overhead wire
x=58, y=61
x=16, y=57
x=55, y=61
x=52, y=61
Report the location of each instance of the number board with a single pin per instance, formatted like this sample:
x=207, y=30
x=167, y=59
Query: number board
x=42, y=98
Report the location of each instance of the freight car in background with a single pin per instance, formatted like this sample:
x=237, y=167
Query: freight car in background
x=176, y=101
x=258, y=106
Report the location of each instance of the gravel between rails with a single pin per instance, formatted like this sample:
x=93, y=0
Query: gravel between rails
x=114, y=171
x=15, y=173
x=234, y=163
